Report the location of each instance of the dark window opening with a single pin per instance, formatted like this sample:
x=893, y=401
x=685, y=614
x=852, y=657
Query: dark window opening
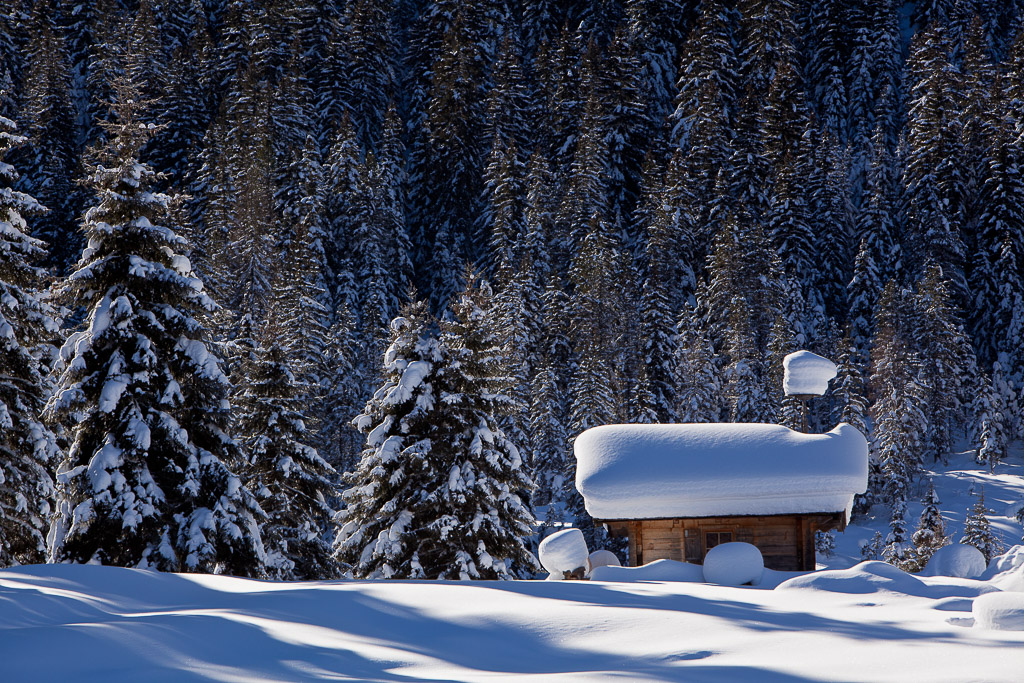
x=713, y=538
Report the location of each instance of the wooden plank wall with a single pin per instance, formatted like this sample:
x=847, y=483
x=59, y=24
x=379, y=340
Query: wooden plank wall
x=785, y=541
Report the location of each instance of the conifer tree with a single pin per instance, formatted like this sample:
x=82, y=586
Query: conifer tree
x=849, y=388
x=878, y=255
x=830, y=211
x=700, y=386
x=935, y=182
x=709, y=73
x=898, y=440
x=145, y=482
x=28, y=448
x=388, y=507
x=990, y=429
x=596, y=326
x=978, y=530
x=655, y=33
x=948, y=367
x=370, y=56
x=437, y=493
x=448, y=164
x=930, y=534
x=49, y=117
x=549, y=411
x=487, y=477
x=344, y=392
x=285, y=473
x=995, y=267
x=658, y=335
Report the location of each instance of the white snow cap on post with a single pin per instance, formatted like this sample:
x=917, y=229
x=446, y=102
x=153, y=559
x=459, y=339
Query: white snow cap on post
x=563, y=551
x=807, y=373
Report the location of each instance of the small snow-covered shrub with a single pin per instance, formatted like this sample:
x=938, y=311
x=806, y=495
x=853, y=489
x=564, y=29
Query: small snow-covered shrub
x=733, y=564
x=872, y=550
x=825, y=543
x=602, y=558
x=1003, y=611
x=564, y=551
x=958, y=560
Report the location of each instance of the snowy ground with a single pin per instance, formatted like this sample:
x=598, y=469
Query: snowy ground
x=957, y=484
x=869, y=623
x=87, y=623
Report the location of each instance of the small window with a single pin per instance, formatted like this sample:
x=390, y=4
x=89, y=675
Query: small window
x=713, y=538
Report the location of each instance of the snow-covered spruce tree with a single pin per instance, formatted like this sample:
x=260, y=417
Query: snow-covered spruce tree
x=386, y=506
x=948, y=365
x=483, y=531
x=990, y=428
x=900, y=426
x=978, y=530
x=47, y=110
x=288, y=477
x=437, y=492
x=849, y=391
x=700, y=386
x=27, y=446
x=930, y=534
x=144, y=483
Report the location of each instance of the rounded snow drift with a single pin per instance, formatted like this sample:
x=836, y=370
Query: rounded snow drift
x=564, y=551
x=1001, y=611
x=602, y=558
x=659, y=570
x=733, y=564
x=959, y=560
x=872, y=576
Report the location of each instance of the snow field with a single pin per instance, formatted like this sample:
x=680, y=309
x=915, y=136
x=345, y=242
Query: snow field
x=957, y=485
x=118, y=624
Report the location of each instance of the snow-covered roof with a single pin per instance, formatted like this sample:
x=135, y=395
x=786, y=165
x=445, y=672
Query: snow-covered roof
x=710, y=470
x=806, y=373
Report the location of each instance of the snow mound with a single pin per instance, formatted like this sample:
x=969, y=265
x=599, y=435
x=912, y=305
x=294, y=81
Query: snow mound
x=1008, y=561
x=1006, y=571
x=563, y=551
x=958, y=560
x=1002, y=611
x=601, y=558
x=708, y=470
x=733, y=564
x=806, y=373
x=1014, y=509
x=861, y=579
x=659, y=570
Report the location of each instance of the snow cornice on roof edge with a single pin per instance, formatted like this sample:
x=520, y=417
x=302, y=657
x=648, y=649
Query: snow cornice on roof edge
x=718, y=470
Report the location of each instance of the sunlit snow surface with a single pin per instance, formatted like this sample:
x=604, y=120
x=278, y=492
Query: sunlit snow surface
x=89, y=623
x=865, y=623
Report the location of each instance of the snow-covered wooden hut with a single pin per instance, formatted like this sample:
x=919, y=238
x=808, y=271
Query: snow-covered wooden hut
x=679, y=490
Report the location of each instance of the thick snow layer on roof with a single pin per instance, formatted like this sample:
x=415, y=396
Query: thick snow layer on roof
x=806, y=373
x=709, y=470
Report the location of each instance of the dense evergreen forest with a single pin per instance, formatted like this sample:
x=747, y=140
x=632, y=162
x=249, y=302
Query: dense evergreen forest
x=262, y=260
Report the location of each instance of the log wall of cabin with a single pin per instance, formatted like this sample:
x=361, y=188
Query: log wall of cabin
x=786, y=541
